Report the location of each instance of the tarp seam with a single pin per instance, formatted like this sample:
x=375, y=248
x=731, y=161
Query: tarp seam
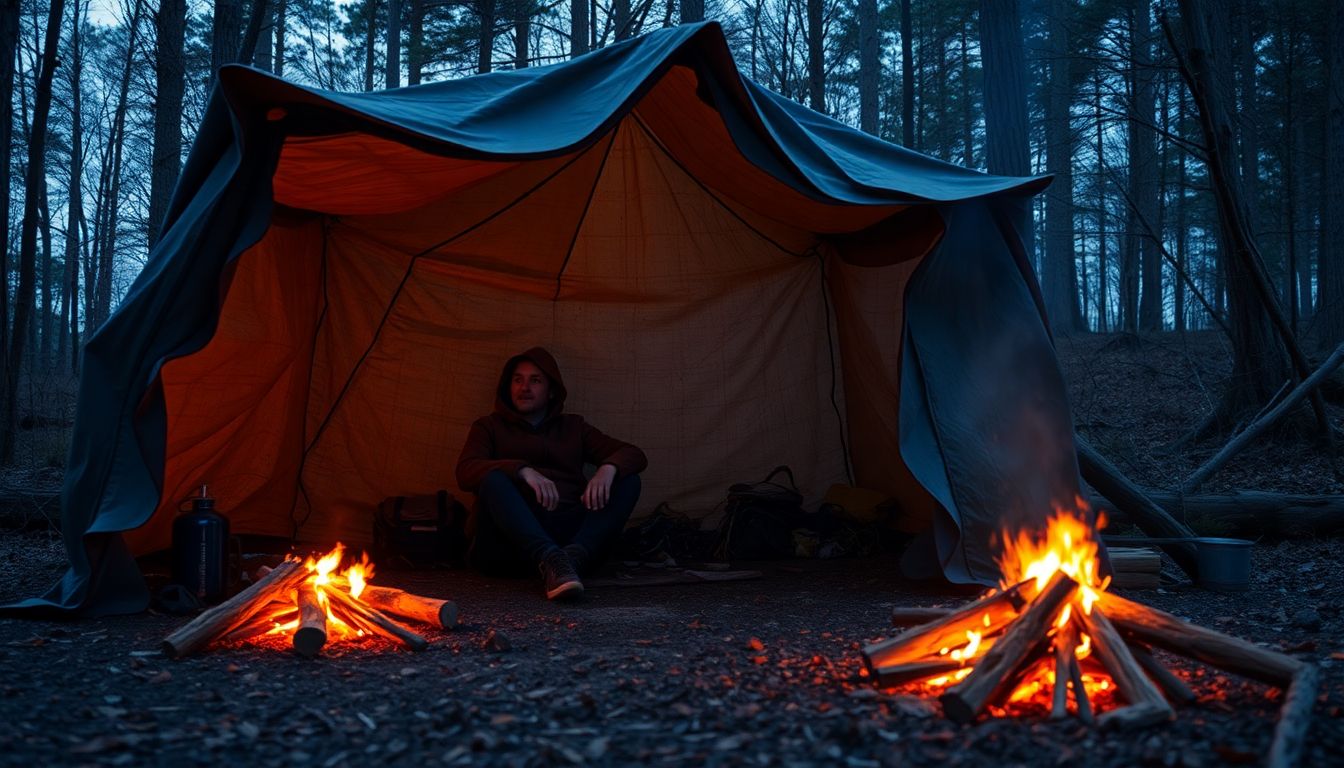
x=583, y=216
x=300, y=488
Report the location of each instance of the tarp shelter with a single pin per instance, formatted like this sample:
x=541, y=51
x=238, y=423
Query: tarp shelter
x=728, y=279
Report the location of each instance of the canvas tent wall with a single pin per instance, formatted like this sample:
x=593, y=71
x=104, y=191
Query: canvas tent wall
x=728, y=279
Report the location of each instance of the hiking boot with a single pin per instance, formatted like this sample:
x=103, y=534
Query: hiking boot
x=578, y=555
x=558, y=577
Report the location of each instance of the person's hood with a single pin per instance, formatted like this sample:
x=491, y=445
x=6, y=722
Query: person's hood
x=539, y=357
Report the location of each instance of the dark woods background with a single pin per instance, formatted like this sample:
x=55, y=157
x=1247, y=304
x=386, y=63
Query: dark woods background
x=1198, y=145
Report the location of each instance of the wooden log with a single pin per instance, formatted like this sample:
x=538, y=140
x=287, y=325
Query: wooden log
x=1134, y=559
x=900, y=674
x=1140, y=510
x=1148, y=705
x=235, y=611
x=371, y=619
x=426, y=610
x=1080, y=699
x=1173, y=687
x=949, y=631
x=1195, y=642
x=995, y=672
x=311, y=634
x=260, y=624
x=1065, y=641
x=1290, y=735
x=1248, y=514
x=913, y=617
x=1257, y=428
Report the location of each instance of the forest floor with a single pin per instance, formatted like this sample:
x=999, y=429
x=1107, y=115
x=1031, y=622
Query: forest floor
x=760, y=672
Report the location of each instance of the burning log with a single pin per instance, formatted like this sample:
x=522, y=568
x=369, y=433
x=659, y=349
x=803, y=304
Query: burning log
x=426, y=610
x=998, y=669
x=215, y=622
x=1066, y=639
x=900, y=674
x=311, y=633
x=375, y=621
x=1080, y=699
x=1146, y=703
x=1191, y=641
x=1294, y=719
x=1173, y=687
x=949, y=630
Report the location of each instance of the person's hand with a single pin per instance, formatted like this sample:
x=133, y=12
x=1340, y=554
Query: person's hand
x=547, y=496
x=598, y=492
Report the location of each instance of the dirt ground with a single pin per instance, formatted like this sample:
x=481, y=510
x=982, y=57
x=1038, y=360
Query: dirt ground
x=743, y=673
x=758, y=672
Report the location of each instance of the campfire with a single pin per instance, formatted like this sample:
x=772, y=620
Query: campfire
x=313, y=603
x=1053, y=634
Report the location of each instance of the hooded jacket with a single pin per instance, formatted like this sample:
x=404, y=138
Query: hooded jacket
x=558, y=447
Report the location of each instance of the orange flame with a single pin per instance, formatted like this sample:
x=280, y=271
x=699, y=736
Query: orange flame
x=1069, y=545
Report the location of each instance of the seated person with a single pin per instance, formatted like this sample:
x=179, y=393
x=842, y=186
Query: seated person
x=534, y=507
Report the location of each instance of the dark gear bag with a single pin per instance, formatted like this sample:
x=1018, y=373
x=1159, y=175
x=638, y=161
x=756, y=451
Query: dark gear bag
x=420, y=532
x=759, y=519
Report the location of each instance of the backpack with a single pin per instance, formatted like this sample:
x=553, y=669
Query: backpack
x=420, y=532
x=759, y=519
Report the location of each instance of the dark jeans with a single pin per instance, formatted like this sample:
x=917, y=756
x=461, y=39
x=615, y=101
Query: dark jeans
x=513, y=532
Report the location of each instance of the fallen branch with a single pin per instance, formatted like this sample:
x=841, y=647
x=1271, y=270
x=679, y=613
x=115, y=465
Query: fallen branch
x=1141, y=510
x=1246, y=513
x=1248, y=435
x=948, y=631
x=1290, y=735
x=426, y=610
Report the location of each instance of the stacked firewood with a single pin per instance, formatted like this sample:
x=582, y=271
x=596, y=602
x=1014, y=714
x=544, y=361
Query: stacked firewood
x=294, y=599
x=1018, y=632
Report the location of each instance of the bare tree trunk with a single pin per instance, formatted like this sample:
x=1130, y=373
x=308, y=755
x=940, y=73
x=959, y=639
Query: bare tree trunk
x=1142, y=169
x=45, y=326
x=1103, y=268
x=226, y=34
x=67, y=352
x=485, y=16
x=1006, y=149
x=370, y=40
x=578, y=26
x=1247, y=110
x=870, y=66
x=522, y=31
x=694, y=10
x=170, y=25
x=257, y=20
x=907, y=78
x=1182, y=226
x=967, y=116
x=36, y=174
x=1262, y=342
x=1331, y=259
x=621, y=19
x=278, y=63
x=102, y=301
x=816, y=51
x=1059, y=284
x=393, y=43
x=9, y=41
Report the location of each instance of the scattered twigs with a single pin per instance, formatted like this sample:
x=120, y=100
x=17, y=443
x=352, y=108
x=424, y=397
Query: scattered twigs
x=1294, y=718
x=311, y=633
x=441, y=614
x=1173, y=687
x=1191, y=641
x=995, y=672
x=948, y=631
x=373, y=620
x=235, y=611
x=1248, y=435
x=1146, y=703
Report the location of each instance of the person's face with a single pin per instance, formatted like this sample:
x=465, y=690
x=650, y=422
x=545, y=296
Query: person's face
x=529, y=389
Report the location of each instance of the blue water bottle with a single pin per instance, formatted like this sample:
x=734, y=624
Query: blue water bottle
x=201, y=549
